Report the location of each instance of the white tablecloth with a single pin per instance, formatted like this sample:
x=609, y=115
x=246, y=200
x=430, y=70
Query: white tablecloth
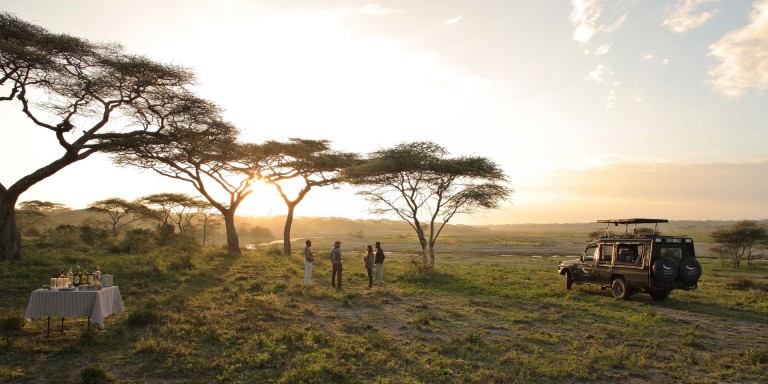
x=96, y=304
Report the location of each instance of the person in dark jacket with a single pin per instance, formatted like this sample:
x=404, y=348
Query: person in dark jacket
x=369, y=265
x=379, y=261
x=336, y=260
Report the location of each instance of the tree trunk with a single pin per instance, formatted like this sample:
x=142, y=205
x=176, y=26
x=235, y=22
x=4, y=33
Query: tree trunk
x=233, y=242
x=287, y=231
x=10, y=238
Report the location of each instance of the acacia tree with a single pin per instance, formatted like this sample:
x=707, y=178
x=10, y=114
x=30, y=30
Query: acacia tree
x=84, y=94
x=311, y=163
x=173, y=210
x=202, y=150
x=421, y=185
x=120, y=213
x=208, y=217
x=33, y=212
x=739, y=240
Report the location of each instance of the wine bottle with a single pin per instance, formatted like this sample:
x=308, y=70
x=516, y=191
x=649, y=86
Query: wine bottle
x=78, y=276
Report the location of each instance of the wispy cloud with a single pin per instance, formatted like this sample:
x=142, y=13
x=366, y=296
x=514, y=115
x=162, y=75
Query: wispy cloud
x=603, y=49
x=585, y=17
x=598, y=73
x=375, y=10
x=743, y=56
x=453, y=20
x=684, y=16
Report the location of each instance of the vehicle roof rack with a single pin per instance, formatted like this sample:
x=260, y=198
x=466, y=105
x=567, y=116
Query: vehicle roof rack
x=634, y=221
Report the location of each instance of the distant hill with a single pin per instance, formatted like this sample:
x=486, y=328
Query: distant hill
x=335, y=226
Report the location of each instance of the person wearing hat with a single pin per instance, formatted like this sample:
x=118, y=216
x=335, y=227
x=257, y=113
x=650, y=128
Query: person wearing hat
x=336, y=260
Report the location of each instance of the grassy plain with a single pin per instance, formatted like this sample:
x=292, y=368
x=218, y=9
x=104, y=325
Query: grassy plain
x=494, y=311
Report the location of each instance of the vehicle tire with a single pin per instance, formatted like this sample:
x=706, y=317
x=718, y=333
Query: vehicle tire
x=619, y=288
x=690, y=269
x=568, y=279
x=659, y=295
x=665, y=269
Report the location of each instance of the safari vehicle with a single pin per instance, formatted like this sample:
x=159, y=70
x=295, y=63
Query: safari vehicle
x=640, y=261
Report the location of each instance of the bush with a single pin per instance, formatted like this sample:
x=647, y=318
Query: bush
x=137, y=241
x=94, y=375
x=142, y=317
x=10, y=324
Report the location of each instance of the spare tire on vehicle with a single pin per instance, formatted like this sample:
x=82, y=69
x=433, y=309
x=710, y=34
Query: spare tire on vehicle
x=664, y=269
x=690, y=269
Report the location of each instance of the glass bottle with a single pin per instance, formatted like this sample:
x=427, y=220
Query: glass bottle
x=78, y=276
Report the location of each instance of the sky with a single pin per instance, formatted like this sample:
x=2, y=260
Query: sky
x=594, y=109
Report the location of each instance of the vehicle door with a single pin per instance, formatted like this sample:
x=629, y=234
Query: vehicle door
x=604, y=265
x=583, y=271
x=629, y=262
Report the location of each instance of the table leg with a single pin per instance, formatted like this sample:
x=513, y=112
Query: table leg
x=48, y=333
x=89, y=324
x=62, y=325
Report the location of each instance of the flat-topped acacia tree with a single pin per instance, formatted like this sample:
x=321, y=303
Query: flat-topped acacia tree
x=85, y=95
x=418, y=183
x=311, y=163
x=203, y=151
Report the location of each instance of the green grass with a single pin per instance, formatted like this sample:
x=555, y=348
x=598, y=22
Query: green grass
x=202, y=318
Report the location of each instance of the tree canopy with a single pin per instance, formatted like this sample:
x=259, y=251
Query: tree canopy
x=86, y=95
x=303, y=162
x=419, y=183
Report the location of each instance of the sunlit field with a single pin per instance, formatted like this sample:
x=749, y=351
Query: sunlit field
x=494, y=311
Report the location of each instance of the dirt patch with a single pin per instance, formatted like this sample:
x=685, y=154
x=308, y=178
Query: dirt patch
x=729, y=334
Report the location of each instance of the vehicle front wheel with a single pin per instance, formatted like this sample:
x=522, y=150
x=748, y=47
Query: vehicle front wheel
x=568, y=279
x=619, y=288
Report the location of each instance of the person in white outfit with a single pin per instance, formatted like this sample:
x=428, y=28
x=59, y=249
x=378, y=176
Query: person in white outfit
x=309, y=258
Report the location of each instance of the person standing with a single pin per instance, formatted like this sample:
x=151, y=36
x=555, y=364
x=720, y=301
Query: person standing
x=336, y=260
x=369, y=265
x=379, y=261
x=309, y=258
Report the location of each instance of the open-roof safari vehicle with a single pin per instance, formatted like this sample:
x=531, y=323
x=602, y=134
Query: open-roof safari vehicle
x=640, y=261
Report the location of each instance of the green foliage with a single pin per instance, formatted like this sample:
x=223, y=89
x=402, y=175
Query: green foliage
x=95, y=375
x=502, y=320
x=11, y=324
x=137, y=241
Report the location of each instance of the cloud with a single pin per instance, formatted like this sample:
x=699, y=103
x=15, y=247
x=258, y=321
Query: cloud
x=585, y=16
x=683, y=17
x=597, y=74
x=453, y=20
x=603, y=49
x=743, y=56
x=375, y=10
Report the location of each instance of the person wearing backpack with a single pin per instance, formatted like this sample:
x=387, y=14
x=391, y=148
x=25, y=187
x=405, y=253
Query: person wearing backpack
x=336, y=260
x=379, y=261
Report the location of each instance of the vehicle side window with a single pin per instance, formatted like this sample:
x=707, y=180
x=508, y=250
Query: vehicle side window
x=606, y=252
x=589, y=253
x=629, y=253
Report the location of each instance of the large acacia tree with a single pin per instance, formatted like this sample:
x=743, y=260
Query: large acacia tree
x=419, y=183
x=311, y=163
x=85, y=95
x=202, y=150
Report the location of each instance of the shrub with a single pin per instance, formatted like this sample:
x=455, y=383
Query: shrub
x=9, y=324
x=142, y=317
x=137, y=241
x=94, y=375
